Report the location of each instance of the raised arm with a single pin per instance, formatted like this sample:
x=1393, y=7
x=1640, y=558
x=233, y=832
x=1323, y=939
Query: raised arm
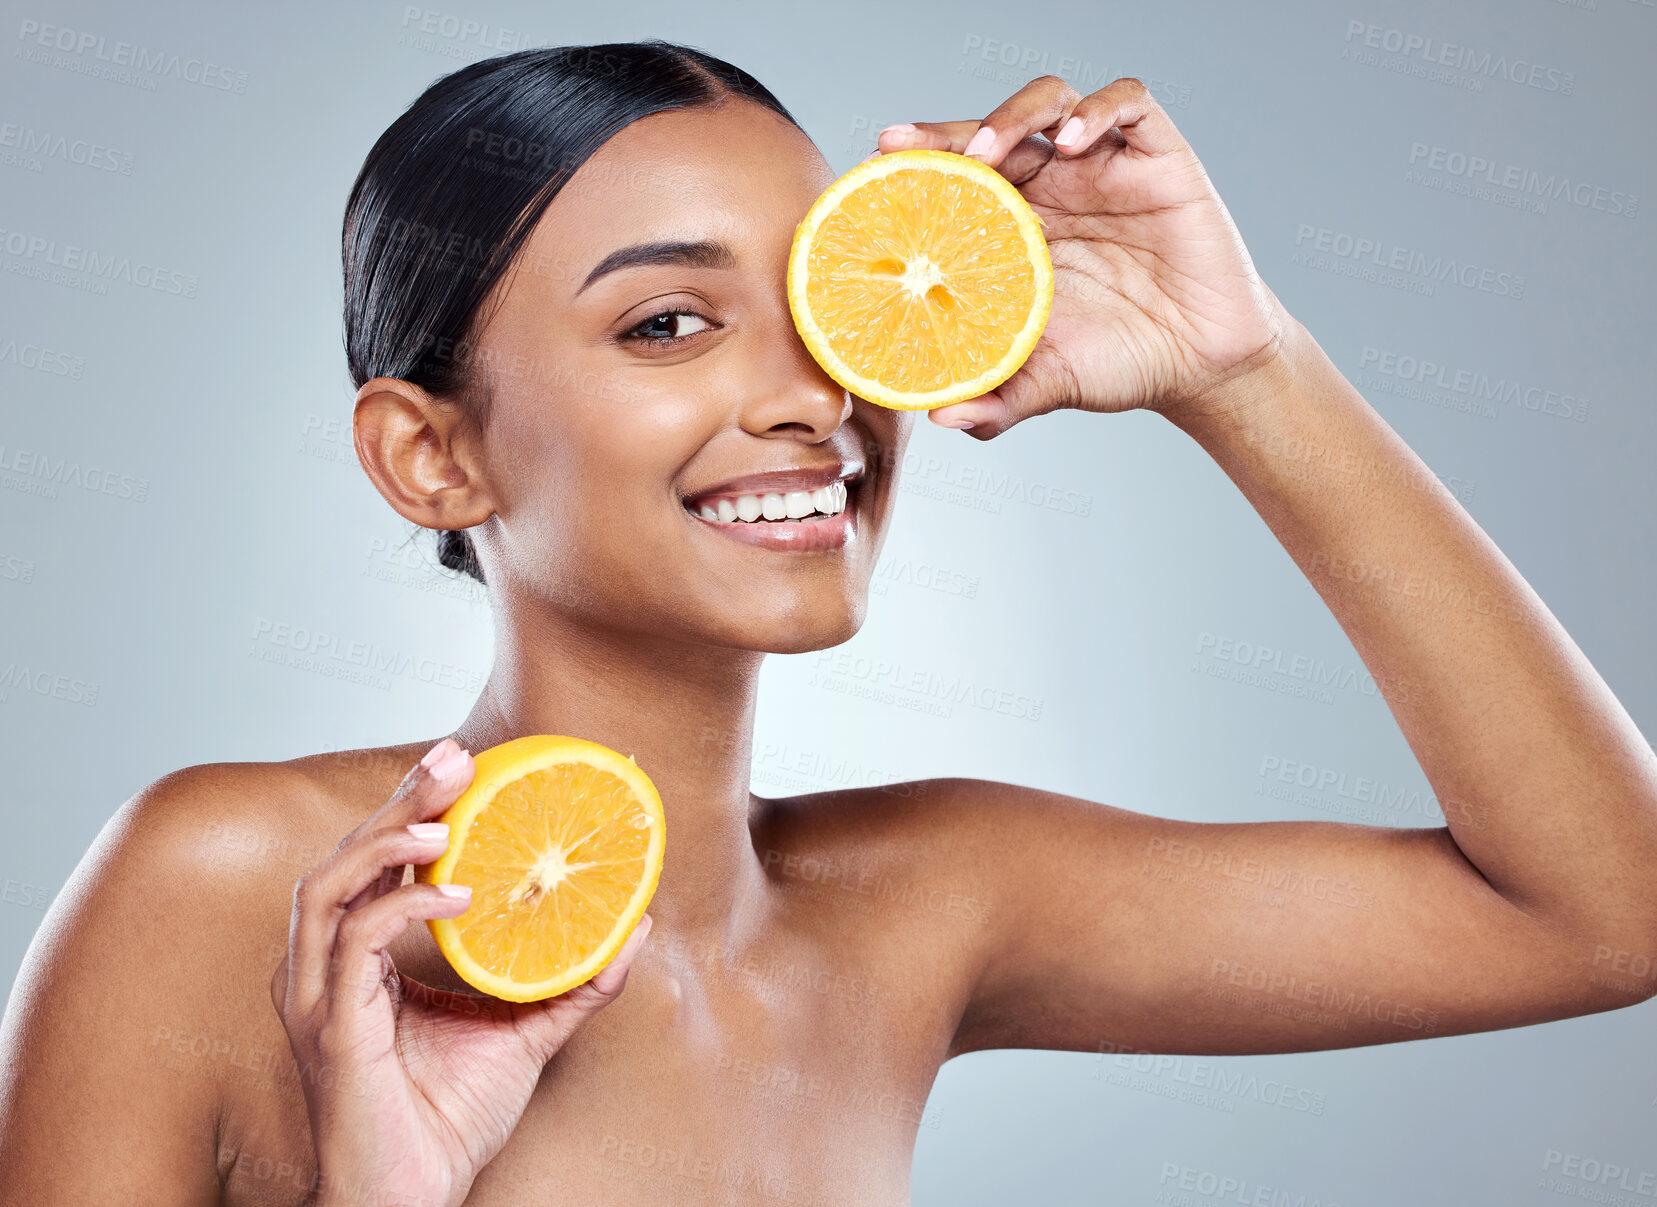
x=1548, y=788
x=1536, y=901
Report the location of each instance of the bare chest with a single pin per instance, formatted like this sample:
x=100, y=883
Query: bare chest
x=767, y=1079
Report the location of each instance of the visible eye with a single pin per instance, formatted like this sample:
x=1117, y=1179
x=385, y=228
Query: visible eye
x=670, y=327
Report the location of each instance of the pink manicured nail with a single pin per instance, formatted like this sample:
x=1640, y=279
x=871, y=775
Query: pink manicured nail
x=981, y=142
x=450, y=765
x=436, y=752
x=960, y=423
x=901, y=128
x=455, y=890
x=430, y=831
x=1071, y=132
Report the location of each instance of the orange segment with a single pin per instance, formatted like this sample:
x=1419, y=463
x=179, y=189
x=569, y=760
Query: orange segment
x=919, y=279
x=561, y=841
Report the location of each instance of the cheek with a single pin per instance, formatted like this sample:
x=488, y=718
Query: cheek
x=888, y=436
x=594, y=475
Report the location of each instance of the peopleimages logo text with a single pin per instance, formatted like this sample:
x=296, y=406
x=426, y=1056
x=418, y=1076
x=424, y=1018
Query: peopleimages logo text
x=71, y=257
x=1461, y=58
x=130, y=54
x=1361, y=249
x=1551, y=186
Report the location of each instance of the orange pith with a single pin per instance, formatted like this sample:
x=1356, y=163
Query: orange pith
x=920, y=278
x=561, y=842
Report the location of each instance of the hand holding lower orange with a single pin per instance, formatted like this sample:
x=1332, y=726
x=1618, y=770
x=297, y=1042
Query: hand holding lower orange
x=411, y=1090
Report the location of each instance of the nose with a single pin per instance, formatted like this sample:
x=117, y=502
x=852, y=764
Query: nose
x=793, y=397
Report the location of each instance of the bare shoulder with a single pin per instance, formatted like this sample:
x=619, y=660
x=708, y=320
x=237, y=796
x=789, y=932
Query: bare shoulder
x=909, y=856
x=948, y=828
x=189, y=878
x=137, y=982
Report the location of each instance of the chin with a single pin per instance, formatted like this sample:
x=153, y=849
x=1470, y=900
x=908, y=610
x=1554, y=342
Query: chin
x=801, y=632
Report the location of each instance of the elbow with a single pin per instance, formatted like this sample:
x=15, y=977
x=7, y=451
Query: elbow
x=1619, y=953
x=1622, y=971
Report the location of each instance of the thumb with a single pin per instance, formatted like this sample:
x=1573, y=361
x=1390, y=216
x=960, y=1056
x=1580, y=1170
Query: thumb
x=548, y=1025
x=985, y=416
x=613, y=975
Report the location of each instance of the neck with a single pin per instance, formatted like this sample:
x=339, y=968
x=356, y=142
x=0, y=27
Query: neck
x=684, y=712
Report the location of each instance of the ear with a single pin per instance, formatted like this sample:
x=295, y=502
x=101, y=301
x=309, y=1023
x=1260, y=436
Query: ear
x=422, y=454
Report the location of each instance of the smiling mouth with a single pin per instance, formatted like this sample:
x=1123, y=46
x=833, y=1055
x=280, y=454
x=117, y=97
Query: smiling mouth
x=774, y=507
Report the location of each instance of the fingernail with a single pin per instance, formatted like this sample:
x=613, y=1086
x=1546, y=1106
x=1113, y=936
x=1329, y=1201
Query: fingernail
x=427, y=831
x=1071, y=132
x=455, y=890
x=450, y=765
x=960, y=423
x=437, y=752
x=900, y=128
x=981, y=142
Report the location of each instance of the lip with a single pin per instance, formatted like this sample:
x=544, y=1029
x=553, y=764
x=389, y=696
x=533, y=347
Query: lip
x=805, y=536
x=780, y=481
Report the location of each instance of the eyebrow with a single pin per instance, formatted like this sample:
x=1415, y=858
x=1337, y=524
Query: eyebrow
x=703, y=253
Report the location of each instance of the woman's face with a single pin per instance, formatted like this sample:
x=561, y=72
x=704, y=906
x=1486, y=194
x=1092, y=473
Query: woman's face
x=623, y=400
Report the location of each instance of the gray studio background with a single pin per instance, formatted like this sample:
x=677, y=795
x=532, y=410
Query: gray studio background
x=1099, y=567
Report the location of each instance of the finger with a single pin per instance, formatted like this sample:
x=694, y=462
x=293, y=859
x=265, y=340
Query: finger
x=344, y=885
x=547, y=1026
x=1125, y=105
x=367, y=864
x=393, y=875
x=1020, y=163
x=411, y=801
x=1041, y=105
x=358, y=966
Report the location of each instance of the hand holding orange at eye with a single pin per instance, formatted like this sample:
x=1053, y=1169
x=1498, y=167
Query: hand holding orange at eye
x=1155, y=303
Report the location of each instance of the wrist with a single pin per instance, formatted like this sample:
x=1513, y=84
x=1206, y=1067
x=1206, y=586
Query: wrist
x=1234, y=405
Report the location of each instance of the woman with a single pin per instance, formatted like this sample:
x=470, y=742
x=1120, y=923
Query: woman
x=566, y=315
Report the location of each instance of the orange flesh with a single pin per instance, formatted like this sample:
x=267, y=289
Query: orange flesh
x=882, y=267
x=552, y=862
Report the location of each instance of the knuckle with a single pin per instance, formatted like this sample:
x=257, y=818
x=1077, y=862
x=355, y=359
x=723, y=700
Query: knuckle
x=1133, y=85
x=598, y=997
x=352, y=929
x=332, y=1032
x=379, y=847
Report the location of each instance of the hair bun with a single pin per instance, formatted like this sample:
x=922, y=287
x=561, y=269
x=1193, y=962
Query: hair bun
x=454, y=550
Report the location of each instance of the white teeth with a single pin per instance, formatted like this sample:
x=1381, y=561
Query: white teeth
x=777, y=505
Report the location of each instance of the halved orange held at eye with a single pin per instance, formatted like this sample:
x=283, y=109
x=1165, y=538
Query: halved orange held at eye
x=561, y=841
x=920, y=279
